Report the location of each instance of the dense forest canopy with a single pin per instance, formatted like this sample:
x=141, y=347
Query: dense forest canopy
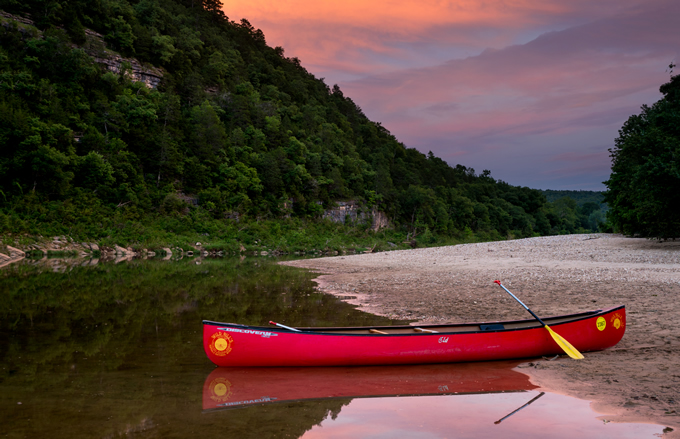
x=581, y=197
x=643, y=186
x=115, y=114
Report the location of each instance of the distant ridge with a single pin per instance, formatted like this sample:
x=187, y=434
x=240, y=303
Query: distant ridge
x=581, y=197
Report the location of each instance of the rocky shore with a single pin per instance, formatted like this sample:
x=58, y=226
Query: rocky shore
x=68, y=247
x=636, y=381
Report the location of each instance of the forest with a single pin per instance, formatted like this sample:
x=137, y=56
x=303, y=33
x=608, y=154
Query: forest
x=643, y=186
x=140, y=122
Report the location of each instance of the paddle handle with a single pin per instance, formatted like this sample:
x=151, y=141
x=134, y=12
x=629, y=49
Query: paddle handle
x=520, y=302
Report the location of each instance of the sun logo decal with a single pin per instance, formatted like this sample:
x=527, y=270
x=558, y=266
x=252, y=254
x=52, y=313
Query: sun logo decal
x=221, y=344
x=220, y=390
x=617, y=320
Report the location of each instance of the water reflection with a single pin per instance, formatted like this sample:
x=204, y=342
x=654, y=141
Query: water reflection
x=228, y=388
x=473, y=416
x=469, y=400
x=114, y=349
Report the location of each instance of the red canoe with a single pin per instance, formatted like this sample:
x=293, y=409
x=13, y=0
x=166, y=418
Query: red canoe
x=236, y=387
x=229, y=344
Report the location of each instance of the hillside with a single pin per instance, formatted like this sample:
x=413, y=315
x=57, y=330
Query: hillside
x=134, y=122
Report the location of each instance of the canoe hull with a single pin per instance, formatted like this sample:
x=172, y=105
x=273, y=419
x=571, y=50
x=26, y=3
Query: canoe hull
x=238, y=345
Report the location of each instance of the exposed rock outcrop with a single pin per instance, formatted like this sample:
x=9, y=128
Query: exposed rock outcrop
x=96, y=48
x=15, y=252
x=168, y=253
x=115, y=63
x=10, y=255
x=352, y=211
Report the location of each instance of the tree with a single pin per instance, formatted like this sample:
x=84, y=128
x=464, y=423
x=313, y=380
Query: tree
x=643, y=187
x=209, y=136
x=214, y=7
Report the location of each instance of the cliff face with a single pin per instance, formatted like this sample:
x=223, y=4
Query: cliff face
x=6, y=18
x=96, y=48
x=149, y=75
x=351, y=211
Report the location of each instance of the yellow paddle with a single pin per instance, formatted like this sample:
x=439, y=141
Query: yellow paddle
x=564, y=344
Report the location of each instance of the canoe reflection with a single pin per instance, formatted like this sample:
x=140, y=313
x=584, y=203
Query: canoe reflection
x=231, y=387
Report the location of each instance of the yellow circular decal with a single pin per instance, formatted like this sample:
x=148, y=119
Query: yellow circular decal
x=220, y=390
x=602, y=323
x=617, y=323
x=221, y=344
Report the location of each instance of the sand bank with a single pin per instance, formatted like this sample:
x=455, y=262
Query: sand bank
x=638, y=380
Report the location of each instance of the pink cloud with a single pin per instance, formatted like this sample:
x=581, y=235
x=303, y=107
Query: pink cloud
x=528, y=79
x=319, y=32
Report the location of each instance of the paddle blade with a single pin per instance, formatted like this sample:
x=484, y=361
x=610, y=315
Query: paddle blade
x=565, y=345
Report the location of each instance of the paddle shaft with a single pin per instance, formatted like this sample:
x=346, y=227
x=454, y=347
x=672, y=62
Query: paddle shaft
x=561, y=342
x=284, y=326
x=520, y=302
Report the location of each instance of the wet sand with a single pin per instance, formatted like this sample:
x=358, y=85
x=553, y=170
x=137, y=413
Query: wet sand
x=636, y=381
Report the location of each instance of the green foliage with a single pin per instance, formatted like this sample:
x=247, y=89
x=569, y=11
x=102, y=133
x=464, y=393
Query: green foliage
x=576, y=211
x=120, y=34
x=645, y=174
x=581, y=197
x=235, y=125
x=164, y=47
x=113, y=329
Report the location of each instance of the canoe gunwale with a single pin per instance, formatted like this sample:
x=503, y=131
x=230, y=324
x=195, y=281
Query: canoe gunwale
x=337, y=331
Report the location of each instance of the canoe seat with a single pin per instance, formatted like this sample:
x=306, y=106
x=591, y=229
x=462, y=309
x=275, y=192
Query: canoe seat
x=492, y=327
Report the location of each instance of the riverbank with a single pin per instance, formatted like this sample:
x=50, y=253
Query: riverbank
x=636, y=381
x=219, y=238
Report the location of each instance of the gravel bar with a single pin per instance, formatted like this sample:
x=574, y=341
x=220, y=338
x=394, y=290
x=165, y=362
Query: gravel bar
x=638, y=380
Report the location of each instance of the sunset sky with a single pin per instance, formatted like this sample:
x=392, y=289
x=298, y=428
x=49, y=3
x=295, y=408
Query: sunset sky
x=533, y=90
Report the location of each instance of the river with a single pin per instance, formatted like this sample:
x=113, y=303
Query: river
x=107, y=350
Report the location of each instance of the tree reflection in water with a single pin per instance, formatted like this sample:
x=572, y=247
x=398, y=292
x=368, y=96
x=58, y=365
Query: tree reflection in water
x=115, y=349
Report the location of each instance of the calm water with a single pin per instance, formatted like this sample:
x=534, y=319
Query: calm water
x=114, y=350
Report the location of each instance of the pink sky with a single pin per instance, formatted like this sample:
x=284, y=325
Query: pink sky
x=533, y=90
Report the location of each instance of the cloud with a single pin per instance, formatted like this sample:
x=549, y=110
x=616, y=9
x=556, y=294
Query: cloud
x=562, y=85
x=358, y=32
x=500, y=85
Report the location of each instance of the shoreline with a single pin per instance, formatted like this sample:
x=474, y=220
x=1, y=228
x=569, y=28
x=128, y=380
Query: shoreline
x=636, y=381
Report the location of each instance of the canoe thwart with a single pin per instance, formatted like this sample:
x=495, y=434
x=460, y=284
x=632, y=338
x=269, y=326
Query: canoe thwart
x=375, y=331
